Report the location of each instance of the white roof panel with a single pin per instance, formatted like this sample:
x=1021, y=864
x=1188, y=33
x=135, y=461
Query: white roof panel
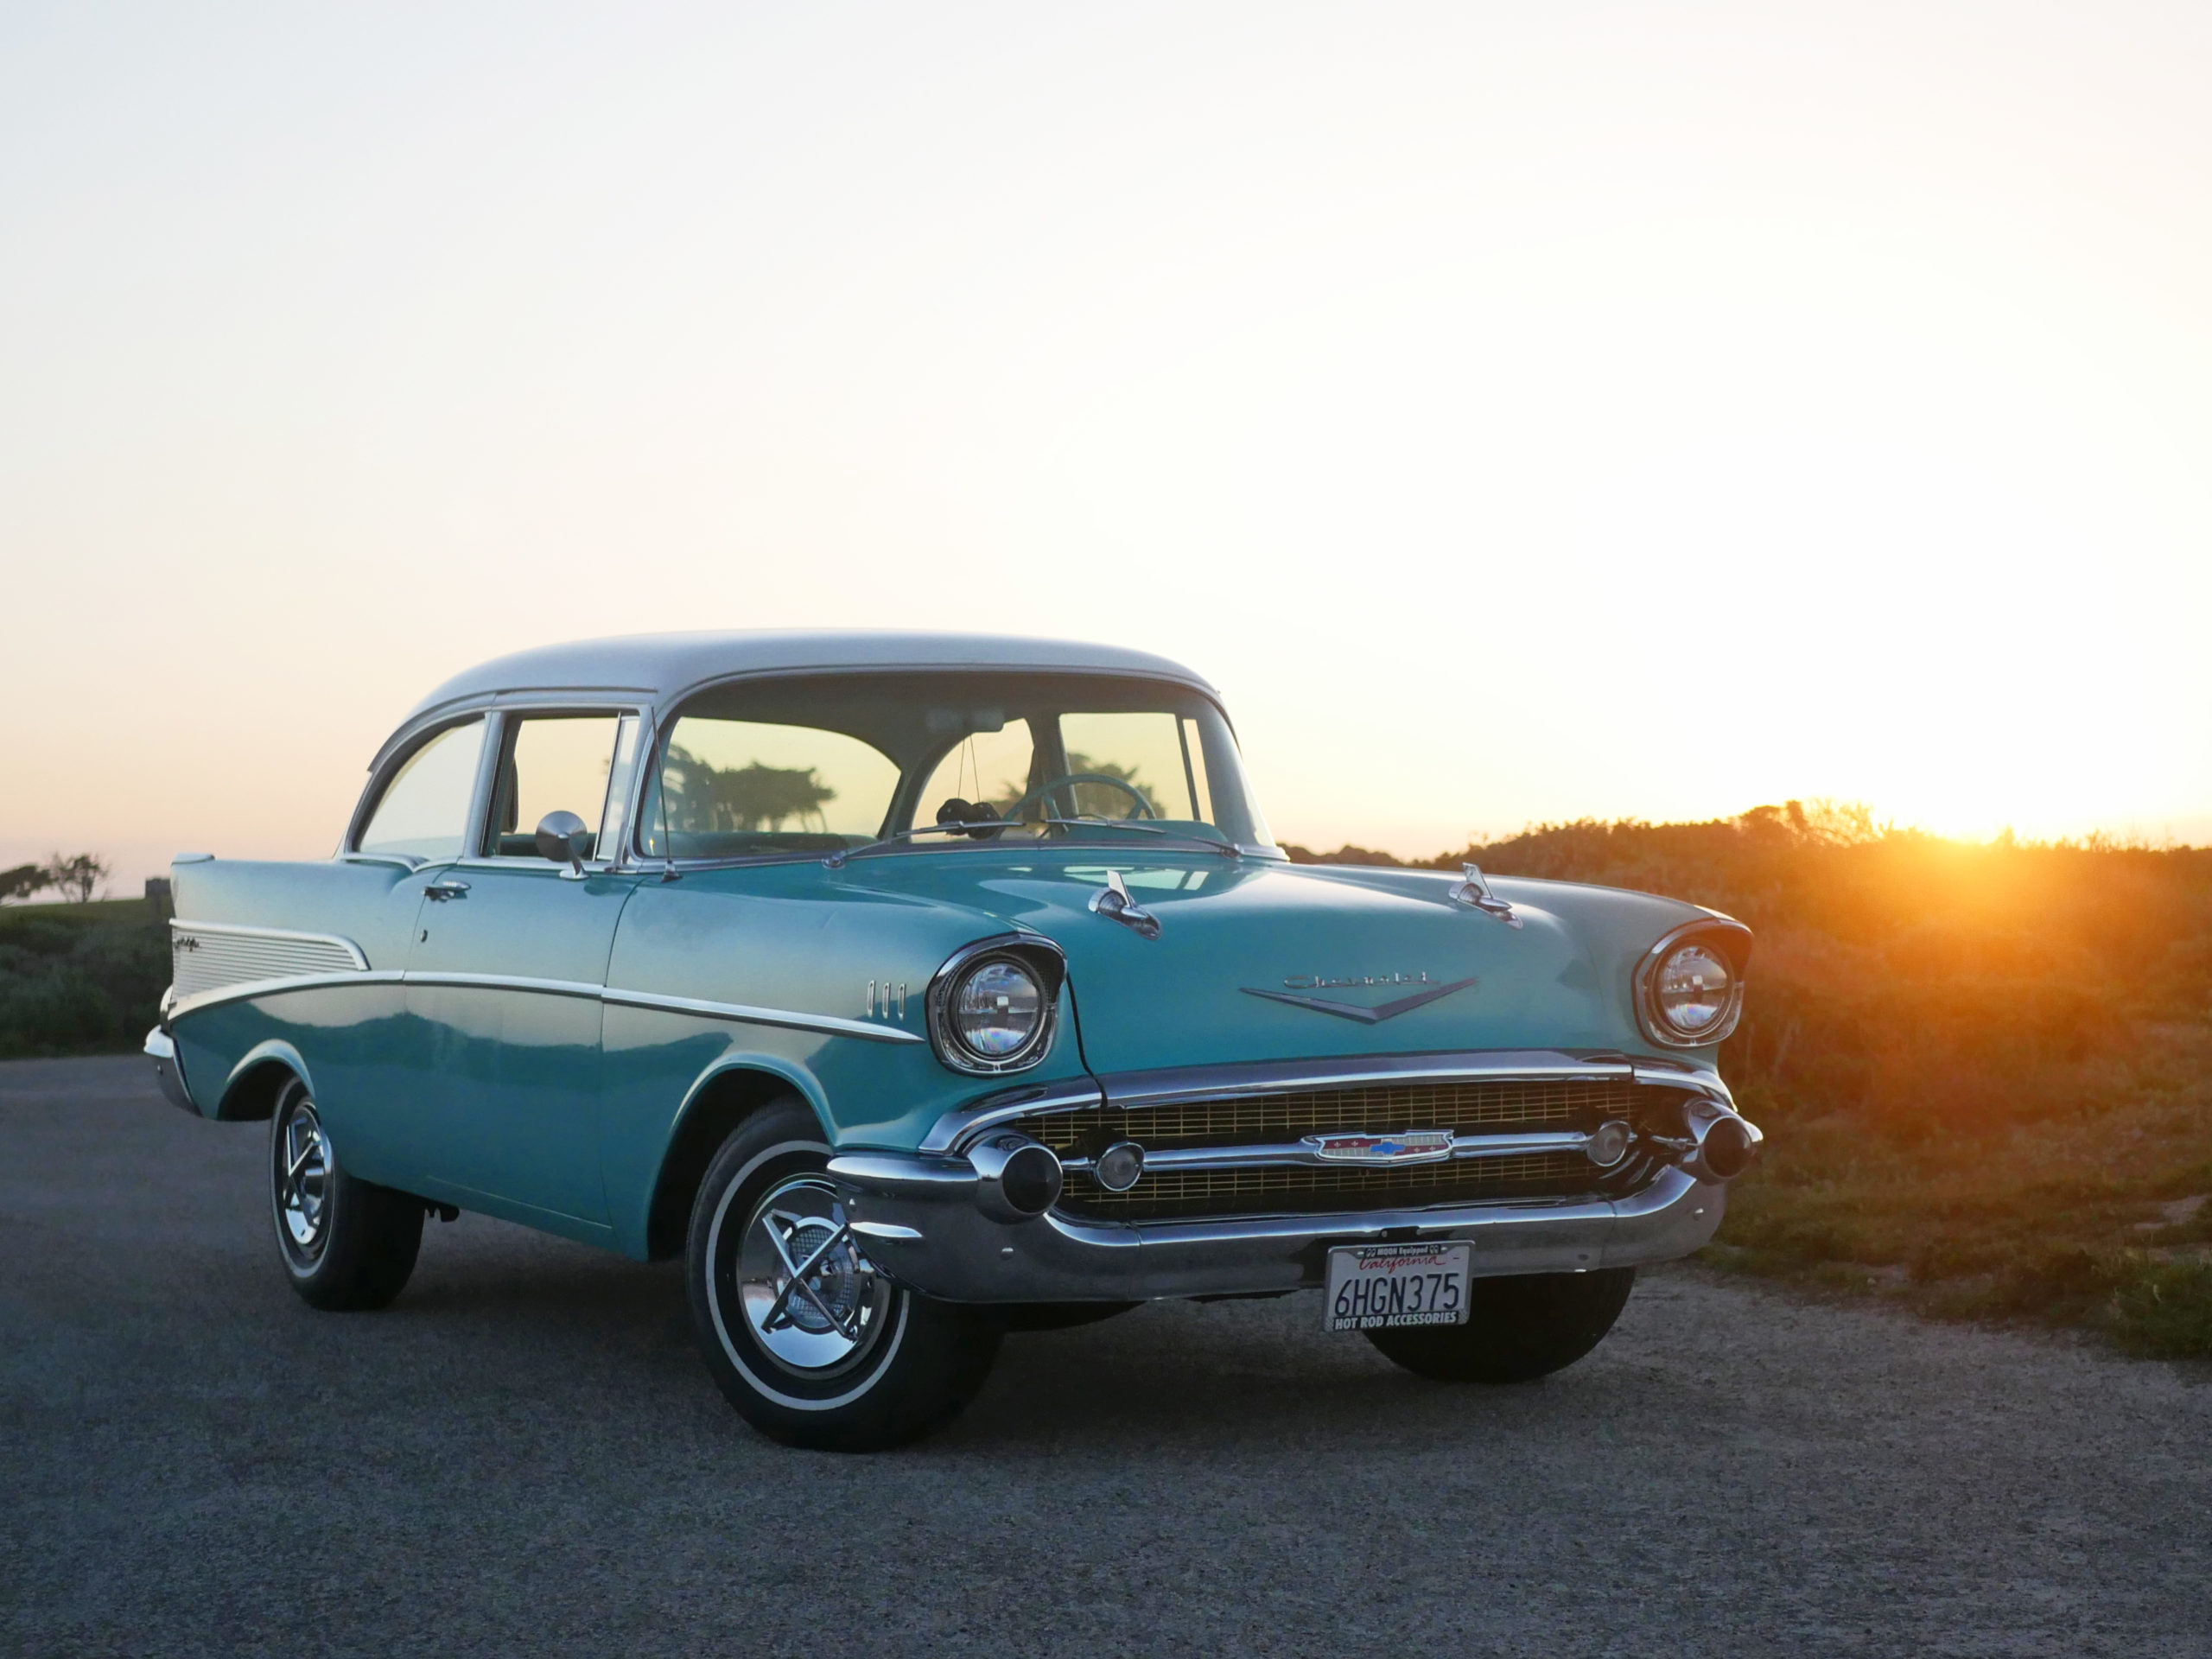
x=663, y=667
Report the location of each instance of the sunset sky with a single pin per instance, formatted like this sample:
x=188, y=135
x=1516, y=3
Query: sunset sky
x=1520, y=412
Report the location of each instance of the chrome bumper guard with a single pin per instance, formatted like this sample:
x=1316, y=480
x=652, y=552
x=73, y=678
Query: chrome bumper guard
x=918, y=1220
x=169, y=1071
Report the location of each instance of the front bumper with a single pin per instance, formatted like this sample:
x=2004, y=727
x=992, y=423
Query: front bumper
x=918, y=1221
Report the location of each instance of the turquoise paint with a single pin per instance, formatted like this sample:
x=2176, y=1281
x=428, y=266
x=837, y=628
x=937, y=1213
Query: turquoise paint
x=357, y=1038
x=272, y=1050
x=374, y=905
x=507, y=1208
x=556, y=1110
x=508, y=1098
x=657, y=1063
x=1562, y=980
x=349, y=1038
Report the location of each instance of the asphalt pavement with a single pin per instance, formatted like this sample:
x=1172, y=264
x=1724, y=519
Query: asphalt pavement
x=524, y=1456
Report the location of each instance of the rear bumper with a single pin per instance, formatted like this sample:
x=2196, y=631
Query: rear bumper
x=168, y=1070
x=918, y=1221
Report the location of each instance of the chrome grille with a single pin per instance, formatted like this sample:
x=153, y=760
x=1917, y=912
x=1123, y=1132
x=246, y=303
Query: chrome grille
x=1415, y=1106
x=1168, y=1192
x=1467, y=1106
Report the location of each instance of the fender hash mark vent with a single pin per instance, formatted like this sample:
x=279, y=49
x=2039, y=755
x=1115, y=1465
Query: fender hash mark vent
x=207, y=958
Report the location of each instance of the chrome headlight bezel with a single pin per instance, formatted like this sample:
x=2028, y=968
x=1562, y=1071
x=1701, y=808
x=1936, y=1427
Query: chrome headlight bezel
x=1037, y=957
x=1728, y=939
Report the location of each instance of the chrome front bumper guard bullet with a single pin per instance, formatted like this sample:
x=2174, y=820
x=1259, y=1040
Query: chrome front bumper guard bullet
x=168, y=1070
x=919, y=1220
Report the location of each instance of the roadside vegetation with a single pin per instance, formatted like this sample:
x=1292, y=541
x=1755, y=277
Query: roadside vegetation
x=1984, y=1070
x=79, y=978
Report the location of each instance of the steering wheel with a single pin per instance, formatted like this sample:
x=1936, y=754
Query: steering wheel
x=1141, y=809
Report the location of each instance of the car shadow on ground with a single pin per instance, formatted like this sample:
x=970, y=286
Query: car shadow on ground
x=574, y=1321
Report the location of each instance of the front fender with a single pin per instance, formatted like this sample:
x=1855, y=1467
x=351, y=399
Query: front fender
x=752, y=1062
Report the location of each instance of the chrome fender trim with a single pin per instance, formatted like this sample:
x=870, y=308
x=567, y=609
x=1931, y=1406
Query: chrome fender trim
x=739, y=1013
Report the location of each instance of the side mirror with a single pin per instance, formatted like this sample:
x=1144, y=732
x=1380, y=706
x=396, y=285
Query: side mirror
x=563, y=837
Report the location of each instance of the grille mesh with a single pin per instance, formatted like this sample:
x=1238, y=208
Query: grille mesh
x=1462, y=1105
x=1233, y=1192
x=1466, y=1106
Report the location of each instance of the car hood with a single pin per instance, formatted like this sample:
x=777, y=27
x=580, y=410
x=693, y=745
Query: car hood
x=1260, y=960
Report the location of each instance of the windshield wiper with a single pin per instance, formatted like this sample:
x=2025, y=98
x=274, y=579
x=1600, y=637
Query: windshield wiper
x=836, y=860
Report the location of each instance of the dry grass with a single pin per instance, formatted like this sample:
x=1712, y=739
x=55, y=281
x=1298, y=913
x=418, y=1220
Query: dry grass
x=1984, y=1071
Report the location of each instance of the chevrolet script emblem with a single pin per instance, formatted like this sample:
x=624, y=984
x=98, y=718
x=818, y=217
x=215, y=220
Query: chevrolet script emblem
x=1297, y=989
x=1407, y=1146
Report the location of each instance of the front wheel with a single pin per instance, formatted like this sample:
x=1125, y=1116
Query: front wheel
x=347, y=1244
x=1518, y=1328
x=813, y=1346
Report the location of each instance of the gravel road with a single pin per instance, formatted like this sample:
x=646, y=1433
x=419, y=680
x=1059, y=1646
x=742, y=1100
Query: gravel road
x=524, y=1456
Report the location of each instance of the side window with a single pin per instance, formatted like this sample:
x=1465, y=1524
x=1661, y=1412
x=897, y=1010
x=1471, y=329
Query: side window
x=553, y=763
x=1157, y=758
x=423, y=811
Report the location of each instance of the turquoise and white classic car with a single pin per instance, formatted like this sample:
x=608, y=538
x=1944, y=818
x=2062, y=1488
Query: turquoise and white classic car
x=915, y=988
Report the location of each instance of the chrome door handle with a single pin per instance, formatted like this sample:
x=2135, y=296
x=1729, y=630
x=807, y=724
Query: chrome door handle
x=441, y=891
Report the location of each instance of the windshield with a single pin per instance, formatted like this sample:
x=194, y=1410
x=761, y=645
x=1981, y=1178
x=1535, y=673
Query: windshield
x=823, y=763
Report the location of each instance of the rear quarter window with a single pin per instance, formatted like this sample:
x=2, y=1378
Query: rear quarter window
x=422, y=810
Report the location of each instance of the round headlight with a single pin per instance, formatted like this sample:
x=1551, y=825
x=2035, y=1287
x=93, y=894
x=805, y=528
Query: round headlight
x=998, y=1010
x=1695, y=989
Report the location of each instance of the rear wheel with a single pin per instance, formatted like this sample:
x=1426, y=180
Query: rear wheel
x=812, y=1344
x=347, y=1244
x=1517, y=1328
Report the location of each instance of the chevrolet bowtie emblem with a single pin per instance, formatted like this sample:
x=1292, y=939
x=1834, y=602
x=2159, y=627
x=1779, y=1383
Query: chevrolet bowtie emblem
x=1407, y=1146
x=1366, y=1014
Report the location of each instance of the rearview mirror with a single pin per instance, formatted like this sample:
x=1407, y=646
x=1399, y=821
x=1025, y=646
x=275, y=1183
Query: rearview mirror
x=563, y=838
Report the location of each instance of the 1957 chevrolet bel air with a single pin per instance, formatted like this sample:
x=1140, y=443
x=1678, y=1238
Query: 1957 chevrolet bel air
x=914, y=989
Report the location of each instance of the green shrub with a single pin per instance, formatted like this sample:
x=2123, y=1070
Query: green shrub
x=56, y=1011
x=78, y=979
x=2165, y=1307
x=1984, y=1071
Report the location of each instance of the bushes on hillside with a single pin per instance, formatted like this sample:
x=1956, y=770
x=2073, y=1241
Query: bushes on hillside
x=1938, y=984
x=1985, y=1069
x=77, y=979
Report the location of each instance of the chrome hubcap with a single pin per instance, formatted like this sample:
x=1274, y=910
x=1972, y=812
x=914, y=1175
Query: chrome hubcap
x=304, y=1180
x=813, y=1299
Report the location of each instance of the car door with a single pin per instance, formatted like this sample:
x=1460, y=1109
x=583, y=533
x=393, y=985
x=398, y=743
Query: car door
x=504, y=979
x=366, y=1056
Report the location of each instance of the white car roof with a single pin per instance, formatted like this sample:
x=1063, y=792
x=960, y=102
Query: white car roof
x=661, y=668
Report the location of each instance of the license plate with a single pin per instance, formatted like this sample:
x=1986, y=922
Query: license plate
x=1375, y=1287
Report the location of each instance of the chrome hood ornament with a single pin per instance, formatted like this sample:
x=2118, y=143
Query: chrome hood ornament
x=1474, y=892
x=1112, y=902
